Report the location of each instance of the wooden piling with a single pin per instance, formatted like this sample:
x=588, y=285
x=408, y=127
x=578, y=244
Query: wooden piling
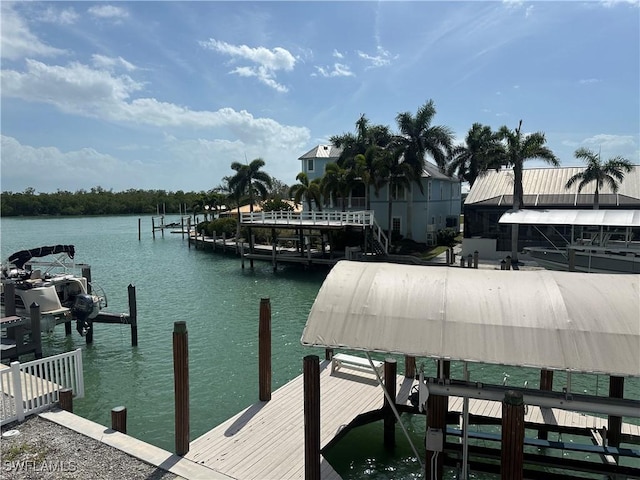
x=181, y=386
x=546, y=383
x=153, y=228
x=508, y=260
x=311, y=379
x=409, y=366
x=133, y=315
x=448, y=256
x=476, y=255
x=512, y=455
x=264, y=350
x=614, y=430
x=328, y=353
x=462, y=261
x=390, y=372
x=119, y=419
x=469, y=261
x=65, y=399
x=139, y=229
x=36, y=334
x=86, y=273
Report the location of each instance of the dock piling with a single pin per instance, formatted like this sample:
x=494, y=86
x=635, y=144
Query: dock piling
x=546, y=383
x=390, y=373
x=512, y=456
x=36, y=336
x=614, y=430
x=311, y=372
x=264, y=350
x=409, y=366
x=65, y=399
x=119, y=419
x=181, y=386
x=133, y=314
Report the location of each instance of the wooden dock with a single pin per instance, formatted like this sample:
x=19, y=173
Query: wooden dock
x=266, y=440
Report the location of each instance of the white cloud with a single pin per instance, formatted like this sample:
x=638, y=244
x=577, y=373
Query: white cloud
x=337, y=54
x=382, y=59
x=610, y=143
x=110, y=63
x=61, y=170
x=589, y=81
x=108, y=12
x=100, y=94
x=65, y=16
x=17, y=41
x=267, y=62
x=338, y=70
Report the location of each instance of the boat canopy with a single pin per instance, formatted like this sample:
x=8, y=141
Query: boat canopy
x=23, y=256
x=607, y=218
x=544, y=319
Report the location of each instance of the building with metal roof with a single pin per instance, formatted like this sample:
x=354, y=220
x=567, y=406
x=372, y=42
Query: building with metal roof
x=544, y=188
x=417, y=213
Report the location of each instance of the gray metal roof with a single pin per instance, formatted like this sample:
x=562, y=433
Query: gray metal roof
x=546, y=186
x=611, y=218
x=322, y=151
x=557, y=320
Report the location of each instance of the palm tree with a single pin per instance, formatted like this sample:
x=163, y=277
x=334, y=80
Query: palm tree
x=337, y=181
x=393, y=170
x=359, y=151
x=310, y=190
x=517, y=150
x=481, y=151
x=418, y=138
x=612, y=172
x=250, y=180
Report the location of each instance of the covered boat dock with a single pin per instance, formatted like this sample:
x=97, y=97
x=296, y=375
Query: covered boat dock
x=551, y=321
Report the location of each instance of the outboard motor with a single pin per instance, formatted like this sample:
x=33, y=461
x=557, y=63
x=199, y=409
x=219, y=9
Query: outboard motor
x=81, y=310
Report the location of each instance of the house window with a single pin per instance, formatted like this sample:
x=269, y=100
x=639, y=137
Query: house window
x=398, y=192
x=395, y=225
x=310, y=165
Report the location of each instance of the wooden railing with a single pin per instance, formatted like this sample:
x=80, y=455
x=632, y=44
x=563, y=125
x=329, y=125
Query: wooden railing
x=27, y=388
x=361, y=218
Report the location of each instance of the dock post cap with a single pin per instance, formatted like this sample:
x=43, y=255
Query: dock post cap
x=180, y=327
x=512, y=397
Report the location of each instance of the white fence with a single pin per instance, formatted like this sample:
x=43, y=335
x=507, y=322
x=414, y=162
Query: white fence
x=27, y=388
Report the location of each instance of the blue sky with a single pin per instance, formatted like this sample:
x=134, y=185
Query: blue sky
x=166, y=95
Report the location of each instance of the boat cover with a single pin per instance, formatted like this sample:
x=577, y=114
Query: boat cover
x=23, y=256
x=587, y=218
x=567, y=321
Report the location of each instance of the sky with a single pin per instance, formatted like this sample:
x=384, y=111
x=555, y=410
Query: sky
x=166, y=95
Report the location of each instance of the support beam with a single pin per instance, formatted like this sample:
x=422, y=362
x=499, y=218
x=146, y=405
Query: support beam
x=264, y=350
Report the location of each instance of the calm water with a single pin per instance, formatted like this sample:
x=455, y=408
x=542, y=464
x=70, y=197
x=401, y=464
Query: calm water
x=220, y=303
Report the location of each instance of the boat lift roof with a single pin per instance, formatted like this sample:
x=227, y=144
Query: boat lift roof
x=544, y=319
x=607, y=218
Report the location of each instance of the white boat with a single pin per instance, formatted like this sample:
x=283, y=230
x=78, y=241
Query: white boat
x=55, y=285
x=594, y=241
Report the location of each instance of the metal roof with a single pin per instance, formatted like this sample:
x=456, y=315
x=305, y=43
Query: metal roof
x=542, y=185
x=607, y=218
x=556, y=320
x=322, y=151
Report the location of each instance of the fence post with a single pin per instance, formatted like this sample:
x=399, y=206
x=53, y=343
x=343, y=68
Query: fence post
x=390, y=372
x=181, y=386
x=17, y=390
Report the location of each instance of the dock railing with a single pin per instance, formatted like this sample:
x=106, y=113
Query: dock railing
x=28, y=388
x=361, y=217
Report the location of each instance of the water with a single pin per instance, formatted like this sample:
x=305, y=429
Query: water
x=220, y=303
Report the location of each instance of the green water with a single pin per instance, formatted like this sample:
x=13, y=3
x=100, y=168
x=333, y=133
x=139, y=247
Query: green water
x=220, y=303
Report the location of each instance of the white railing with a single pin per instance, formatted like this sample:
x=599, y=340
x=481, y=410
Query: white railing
x=361, y=217
x=30, y=387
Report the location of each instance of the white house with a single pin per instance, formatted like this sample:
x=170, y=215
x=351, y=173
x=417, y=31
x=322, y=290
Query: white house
x=416, y=214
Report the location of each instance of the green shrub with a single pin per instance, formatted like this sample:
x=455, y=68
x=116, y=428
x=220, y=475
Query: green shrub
x=446, y=237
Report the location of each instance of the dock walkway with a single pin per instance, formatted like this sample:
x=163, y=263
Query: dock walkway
x=266, y=440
